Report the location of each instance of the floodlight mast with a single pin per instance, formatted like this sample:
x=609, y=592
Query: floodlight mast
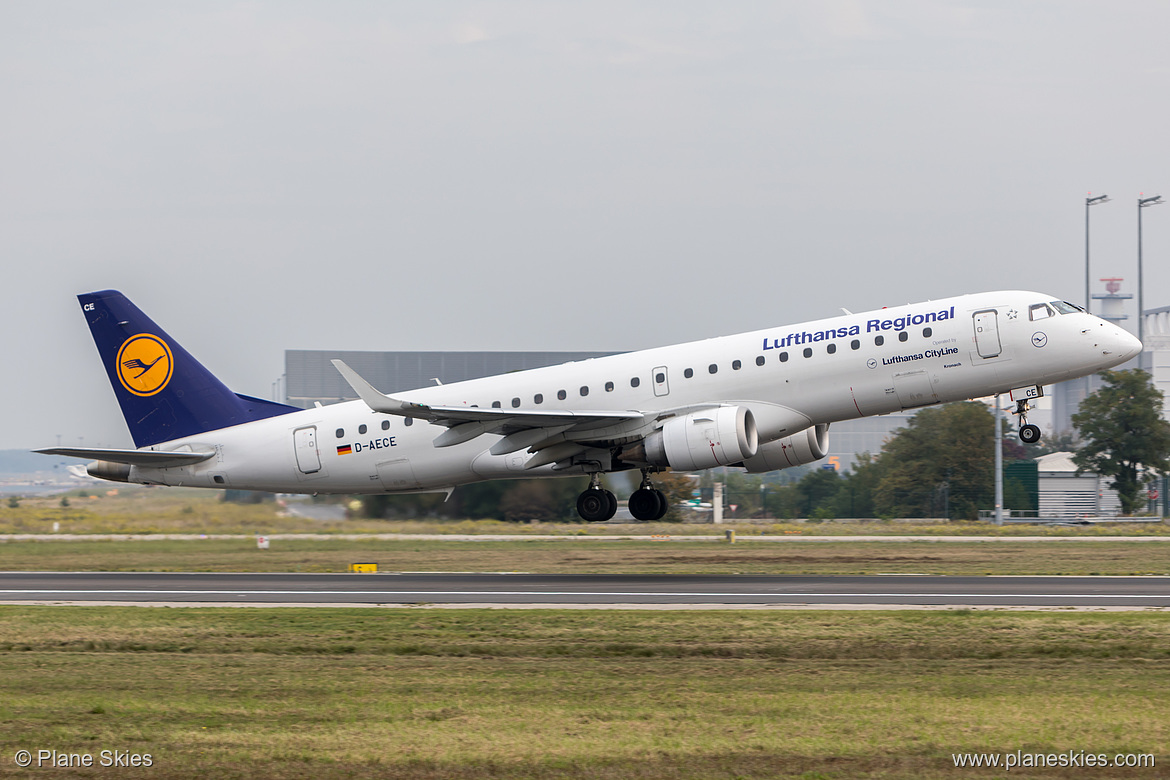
x=1090, y=201
x=998, y=462
x=1155, y=200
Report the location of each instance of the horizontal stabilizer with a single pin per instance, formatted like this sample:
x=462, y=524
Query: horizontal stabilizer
x=146, y=458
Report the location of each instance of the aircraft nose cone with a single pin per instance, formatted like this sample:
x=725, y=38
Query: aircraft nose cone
x=1128, y=344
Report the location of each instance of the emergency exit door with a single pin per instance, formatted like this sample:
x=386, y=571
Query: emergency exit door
x=305, y=444
x=661, y=383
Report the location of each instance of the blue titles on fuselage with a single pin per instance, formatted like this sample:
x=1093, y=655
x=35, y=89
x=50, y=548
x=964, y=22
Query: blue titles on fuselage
x=896, y=324
x=901, y=323
x=806, y=338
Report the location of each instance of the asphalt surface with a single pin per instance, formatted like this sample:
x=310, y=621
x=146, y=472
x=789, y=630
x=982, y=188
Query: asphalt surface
x=569, y=539
x=601, y=590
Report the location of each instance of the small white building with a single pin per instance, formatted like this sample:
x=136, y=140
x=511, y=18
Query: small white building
x=1064, y=493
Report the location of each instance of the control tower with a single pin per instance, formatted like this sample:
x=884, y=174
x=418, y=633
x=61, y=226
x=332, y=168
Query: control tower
x=1067, y=396
x=1112, y=306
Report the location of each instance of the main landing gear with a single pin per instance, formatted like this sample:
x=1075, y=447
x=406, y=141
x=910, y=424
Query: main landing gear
x=1029, y=434
x=597, y=504
x=647, y=502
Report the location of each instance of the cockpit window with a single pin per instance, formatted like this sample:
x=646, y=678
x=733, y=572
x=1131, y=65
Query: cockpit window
x=1064, y=307
x=1039, y=311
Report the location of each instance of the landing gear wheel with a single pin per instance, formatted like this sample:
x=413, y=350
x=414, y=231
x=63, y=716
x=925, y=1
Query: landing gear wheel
x=612, y=500
x=647, y=504
x=663, y=505
x=596, y=505
x=1029, y=434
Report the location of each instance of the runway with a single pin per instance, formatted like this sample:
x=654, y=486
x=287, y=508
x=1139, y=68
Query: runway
x=583, y=590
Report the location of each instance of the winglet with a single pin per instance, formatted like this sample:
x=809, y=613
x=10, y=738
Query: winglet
x=375, y=400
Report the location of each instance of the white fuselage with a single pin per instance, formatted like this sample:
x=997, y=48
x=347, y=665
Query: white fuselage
x=791, y=377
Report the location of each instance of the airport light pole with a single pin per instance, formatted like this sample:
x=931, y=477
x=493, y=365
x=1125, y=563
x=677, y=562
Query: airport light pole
x=1090, y=201
x=998, y=462
x=1142, y=203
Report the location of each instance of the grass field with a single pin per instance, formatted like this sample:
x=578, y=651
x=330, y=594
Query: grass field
x=182, y=510
x=200, y=512
x=618, y=557
x=365, y=693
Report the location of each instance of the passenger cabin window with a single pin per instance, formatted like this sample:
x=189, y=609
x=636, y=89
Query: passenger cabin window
x=584, y=391
x=927, y=332
x=538, y=398
x=783, y=357
x=1040, y=311
x=635, y=381
x=760, y=360
x=362, y=428
x=879, y=340
x=515, y=403
x=341, y=433
x=903, y=336
x=688, y=372
x=385, y=425
x=409, y=421
x=495, y=404
x=831, y=348
x=855, y=344
x=562, y=395
x=808, y=352
x=711, y=369
x=736, y=365
x=609, y=387
x=660, y=378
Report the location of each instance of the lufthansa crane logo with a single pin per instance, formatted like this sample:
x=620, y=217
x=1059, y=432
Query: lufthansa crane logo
x=145, y=364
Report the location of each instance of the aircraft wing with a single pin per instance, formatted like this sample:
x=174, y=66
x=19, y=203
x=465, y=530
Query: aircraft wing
x=145, y=458
x=536, y=429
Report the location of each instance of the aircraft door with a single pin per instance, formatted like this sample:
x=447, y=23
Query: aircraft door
x=987, y=333
x=305, y=445
x=914, y=388
x=397, y=474
x=661, y=385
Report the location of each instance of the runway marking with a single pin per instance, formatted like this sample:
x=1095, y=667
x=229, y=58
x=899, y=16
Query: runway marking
x=773, y=595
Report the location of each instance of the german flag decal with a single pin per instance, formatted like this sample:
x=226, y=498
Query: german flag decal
x=344, y=449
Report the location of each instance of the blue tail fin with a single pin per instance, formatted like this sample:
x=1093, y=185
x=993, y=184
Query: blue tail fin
x=164, y=393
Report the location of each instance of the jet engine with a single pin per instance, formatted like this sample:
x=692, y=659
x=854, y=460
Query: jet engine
x=703, y=440
x=114, y=472
x=795, y=450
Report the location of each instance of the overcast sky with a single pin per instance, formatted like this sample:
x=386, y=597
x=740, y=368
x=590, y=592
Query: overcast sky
x=265, y=176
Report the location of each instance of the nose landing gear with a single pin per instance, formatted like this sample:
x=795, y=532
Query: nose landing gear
x=1029, y=434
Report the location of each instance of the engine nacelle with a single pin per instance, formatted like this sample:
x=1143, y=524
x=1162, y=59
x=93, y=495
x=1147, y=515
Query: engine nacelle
x=114, y=472
x=703, y=440
x=795, y=450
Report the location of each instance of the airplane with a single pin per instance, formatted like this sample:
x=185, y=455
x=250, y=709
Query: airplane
x=762, y=401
